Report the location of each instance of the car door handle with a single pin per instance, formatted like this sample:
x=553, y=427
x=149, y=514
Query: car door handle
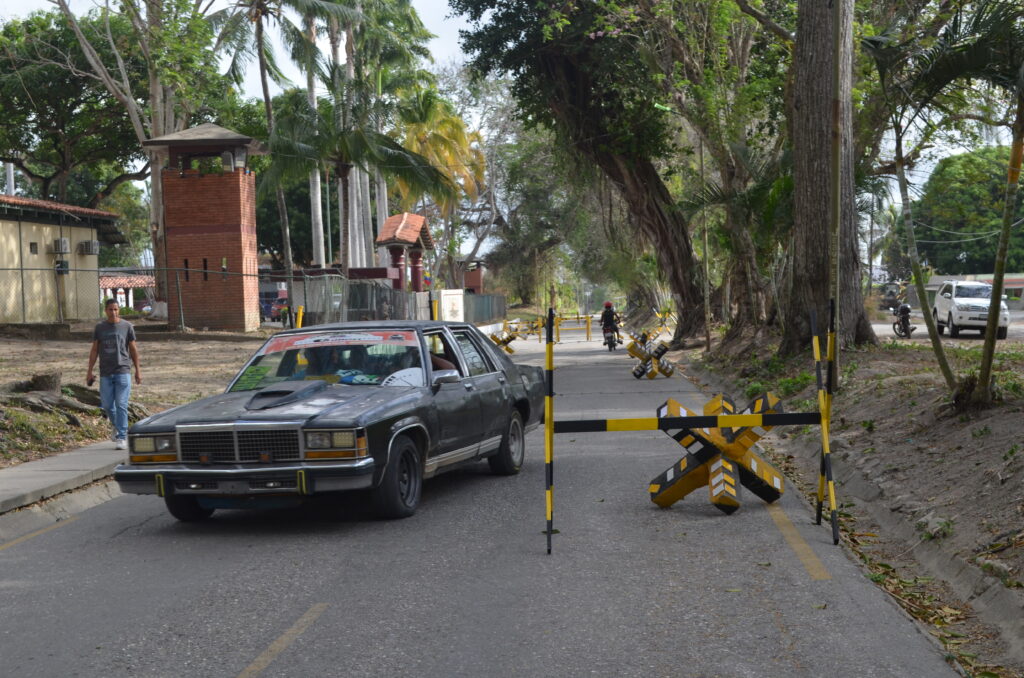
x=501, y=378
x=469, y=385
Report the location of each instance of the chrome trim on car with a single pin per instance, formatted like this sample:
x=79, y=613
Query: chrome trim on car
x=435, y=464
x=238, y=480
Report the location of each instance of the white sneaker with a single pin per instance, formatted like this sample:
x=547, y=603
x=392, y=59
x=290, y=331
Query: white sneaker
x=121, y=444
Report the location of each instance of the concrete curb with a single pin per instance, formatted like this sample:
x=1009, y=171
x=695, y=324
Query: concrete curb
x=33, y=481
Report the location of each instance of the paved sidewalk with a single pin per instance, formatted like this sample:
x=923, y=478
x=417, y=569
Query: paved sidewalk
x=27, y=483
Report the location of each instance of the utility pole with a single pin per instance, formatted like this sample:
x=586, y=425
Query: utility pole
x=9, y=186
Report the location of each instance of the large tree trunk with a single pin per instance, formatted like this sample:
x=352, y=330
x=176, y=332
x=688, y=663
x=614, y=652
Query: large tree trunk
x=666, y=229
x=810, y=118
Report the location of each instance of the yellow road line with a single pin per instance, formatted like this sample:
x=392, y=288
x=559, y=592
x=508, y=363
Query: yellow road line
x=26, y=537
x=803, y=551
x=282, y=643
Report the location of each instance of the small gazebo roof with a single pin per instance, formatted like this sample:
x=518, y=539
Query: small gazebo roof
x=406, y=229
x=206, y=136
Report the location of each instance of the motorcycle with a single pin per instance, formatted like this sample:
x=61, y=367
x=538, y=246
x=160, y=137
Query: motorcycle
x=901, y=326
x=611, y=339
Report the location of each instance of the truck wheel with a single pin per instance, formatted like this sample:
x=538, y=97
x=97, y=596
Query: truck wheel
x=398, y=494
x=186, y=508
x=954, y=331
x=509, y=458
x=940, y=328
x=1001, y=332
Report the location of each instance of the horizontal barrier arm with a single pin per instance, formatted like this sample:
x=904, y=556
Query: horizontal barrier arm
x=673, y=423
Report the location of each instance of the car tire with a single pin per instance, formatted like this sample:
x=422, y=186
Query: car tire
x=398, y=494
x=508, y=460
x=954, y=331
x=186, y=508
x=1001, y=332
x=939, y=327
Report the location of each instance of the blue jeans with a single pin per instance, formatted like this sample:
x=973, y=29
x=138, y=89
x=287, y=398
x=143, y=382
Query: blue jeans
x=114, y=392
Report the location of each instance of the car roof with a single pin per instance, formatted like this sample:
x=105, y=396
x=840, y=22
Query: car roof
x=422, y=325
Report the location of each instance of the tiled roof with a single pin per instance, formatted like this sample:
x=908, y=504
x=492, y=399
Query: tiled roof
x=55, y=206
x=126, y=281
x=406, y=229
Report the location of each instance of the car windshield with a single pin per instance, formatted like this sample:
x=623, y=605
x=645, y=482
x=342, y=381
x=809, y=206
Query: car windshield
x=974, y=291
x=370, y=358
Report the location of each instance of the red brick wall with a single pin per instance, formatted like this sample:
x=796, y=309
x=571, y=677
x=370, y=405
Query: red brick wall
x=212, y=217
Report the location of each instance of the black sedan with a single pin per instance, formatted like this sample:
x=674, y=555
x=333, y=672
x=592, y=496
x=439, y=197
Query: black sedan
x=331, y=408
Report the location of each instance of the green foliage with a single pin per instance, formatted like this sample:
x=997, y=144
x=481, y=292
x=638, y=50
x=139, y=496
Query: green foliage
x=961, y=211
x=59, y=122
x=790, y=385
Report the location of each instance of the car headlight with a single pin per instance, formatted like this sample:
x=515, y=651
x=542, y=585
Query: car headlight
x=318, y=440
x=153, y=449
x=963, y=307
x=336, y=444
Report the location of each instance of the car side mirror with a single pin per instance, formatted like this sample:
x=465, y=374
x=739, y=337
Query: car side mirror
x=446, y=377
x=1004, y=297
x=947, y=295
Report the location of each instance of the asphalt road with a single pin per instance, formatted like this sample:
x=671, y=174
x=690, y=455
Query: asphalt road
x=465, y=587
x=968, y=336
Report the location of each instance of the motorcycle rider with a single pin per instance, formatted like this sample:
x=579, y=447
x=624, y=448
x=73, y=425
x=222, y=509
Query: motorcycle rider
x=610, y=320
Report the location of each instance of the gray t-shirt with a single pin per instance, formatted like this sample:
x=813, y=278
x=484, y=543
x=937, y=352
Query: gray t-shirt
x=113, y=347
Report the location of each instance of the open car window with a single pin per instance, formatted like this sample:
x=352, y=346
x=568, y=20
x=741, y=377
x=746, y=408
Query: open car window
x=369, y=358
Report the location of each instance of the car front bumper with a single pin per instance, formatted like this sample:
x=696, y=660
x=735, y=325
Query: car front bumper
x=978, y=319
x=245, y=479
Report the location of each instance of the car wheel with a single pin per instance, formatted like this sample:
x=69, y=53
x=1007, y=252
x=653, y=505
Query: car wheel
x=938, y=326
x=954, y=331
x=1001, y=332
x=398, y=494
x=186, y=508
x=509, y=458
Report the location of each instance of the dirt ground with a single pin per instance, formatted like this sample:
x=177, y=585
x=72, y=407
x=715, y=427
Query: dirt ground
x=956, y=479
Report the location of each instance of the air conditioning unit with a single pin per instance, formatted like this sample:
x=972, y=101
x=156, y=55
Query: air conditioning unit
x=89, y=247
x=61, y=246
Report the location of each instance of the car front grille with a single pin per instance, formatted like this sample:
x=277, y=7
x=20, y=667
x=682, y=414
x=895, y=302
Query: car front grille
x=230, y=447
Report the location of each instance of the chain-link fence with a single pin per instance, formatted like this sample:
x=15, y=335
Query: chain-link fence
x=215, y=299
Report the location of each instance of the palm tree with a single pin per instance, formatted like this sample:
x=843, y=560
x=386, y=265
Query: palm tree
x=241, y=30
x=912, y=81
x=428, y=125
x=295, y=149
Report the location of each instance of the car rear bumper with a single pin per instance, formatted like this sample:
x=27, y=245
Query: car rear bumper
x=245, y=480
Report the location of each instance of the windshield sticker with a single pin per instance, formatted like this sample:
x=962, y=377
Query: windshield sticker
x=251, y=378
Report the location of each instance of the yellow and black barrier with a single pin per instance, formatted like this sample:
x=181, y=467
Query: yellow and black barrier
x=549, y=416
x=717, y=456
x=504, y=341
x=650, y=357
x=705, y=462
x=583, y=322
x=825, y=386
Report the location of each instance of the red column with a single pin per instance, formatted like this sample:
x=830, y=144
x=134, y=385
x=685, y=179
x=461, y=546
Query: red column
x=416, y=269
x=398, y=261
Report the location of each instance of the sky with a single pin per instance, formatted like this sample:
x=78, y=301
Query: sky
x=434, y=13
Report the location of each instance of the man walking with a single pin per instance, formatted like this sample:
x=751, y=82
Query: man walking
x=113, y=342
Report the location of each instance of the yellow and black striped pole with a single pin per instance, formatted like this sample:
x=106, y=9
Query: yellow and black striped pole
x=825, y=388
x=549, y=424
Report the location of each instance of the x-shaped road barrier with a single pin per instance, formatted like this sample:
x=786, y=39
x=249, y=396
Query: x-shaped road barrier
x=719, y=457
x=718, y=442
x=650, y=357
x=504, y=341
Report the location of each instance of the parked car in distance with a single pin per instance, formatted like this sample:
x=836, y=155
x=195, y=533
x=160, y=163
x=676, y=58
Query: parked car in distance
x=279, y=306
x=375, y=406
x=964, y=304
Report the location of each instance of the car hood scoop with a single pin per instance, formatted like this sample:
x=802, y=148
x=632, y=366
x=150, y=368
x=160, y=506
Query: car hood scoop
x=283, y=393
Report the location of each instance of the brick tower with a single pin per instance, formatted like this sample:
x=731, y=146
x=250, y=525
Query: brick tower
x=210, y=229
